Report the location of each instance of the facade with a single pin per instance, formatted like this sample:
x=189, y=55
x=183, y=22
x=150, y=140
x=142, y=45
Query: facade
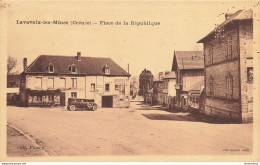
x=157, y=89
x=169, y=92
x=13, y=84
x=229, y=68
x=194, y=95
x=189, y=69
x=51, y=80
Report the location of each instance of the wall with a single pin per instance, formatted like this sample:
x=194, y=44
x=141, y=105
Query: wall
x=191, y=78
x=171, y=87
x=246, y=60
x=119, y=100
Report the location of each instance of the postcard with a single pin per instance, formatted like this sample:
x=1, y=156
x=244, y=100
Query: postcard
x=129, y=81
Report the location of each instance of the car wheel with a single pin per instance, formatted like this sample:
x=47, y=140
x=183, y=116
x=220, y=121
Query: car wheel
x=72, y=107
x=94, y=107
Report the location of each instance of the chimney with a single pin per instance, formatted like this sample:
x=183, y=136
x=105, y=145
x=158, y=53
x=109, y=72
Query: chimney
x=79, y=56
x=24, y=64
x=228, y=15
x=160, y=75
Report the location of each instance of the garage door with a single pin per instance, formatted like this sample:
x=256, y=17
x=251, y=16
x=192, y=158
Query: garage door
x=107, y=101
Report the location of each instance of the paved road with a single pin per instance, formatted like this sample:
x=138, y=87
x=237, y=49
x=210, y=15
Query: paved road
x=139, y=130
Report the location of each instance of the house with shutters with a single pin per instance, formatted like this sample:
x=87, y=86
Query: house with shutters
x=189, y=69
x=52, y=79
x=228, y=55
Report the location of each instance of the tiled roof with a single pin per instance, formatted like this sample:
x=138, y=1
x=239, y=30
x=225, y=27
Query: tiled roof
x=171, y=75
x=237, y=16
x=188, y=60
x=87, y=65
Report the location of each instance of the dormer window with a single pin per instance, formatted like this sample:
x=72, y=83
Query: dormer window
x=50, y=68
x=106, y=69
x=73, y=68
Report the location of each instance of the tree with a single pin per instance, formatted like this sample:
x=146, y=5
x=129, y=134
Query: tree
x=11, y=64
x=145, y=82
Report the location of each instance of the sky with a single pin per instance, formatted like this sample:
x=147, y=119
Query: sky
x=182, y=24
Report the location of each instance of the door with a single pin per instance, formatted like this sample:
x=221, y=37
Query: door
x=107, y=101
x=62, y=99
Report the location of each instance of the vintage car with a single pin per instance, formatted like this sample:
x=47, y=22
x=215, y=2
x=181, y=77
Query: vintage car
x=81, y=104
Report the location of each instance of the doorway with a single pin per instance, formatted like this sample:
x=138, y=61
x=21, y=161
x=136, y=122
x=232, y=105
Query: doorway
x=107, y=101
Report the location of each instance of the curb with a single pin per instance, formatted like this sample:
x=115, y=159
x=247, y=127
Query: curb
x=31, y=139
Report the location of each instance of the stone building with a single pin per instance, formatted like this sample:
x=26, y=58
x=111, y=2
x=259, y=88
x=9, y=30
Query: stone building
x=228, y=55
x=189, y=69
x=157, y=89
x=51, y=80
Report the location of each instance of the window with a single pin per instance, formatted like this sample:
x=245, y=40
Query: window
x=229, y=86
x=211, y=85
x=116, y=87
x=211, y=49
x=93, y=87
x=38, y=82
x=50, y=98
x=62, y=82
x=106, y=69
x=107, y=87
x=73, y=82
x=38, y=98
x=121, y=89
x=73, y=68
x=73, y=94
x=250, y=75
x=50, y=68
x=229, y=48
x=50, y=82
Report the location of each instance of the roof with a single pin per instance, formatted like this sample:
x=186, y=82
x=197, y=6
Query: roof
x=171, y=75
x=87, y=65
x=188, y=60
x=240, y=15
x=13, y=80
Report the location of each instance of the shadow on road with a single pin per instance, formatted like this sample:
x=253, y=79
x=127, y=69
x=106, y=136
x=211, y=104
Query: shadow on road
x=189, y=117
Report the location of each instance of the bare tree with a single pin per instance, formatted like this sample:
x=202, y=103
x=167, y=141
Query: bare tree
x=11, y=64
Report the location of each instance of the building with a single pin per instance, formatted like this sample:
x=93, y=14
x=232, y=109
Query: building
x=169, y=92
x=189, y=69
x=194, y=95
x=157, y=96
x=228, y=59
x=13, y=84
x=51, y=80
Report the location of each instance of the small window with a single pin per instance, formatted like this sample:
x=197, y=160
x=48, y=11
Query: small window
x=50, y=68
x=107, y=69
x=50, y=82
x=93, y=87
x=74, y=94
x=211, y=85
x=250, y=75
x=229, y=48
x=73, y=68
x=107, y=87
x=116, y=87
x=38, y=82
x=229, y=86
x=73, y=82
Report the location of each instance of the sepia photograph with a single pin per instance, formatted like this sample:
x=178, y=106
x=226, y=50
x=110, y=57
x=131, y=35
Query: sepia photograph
x=130, y=81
